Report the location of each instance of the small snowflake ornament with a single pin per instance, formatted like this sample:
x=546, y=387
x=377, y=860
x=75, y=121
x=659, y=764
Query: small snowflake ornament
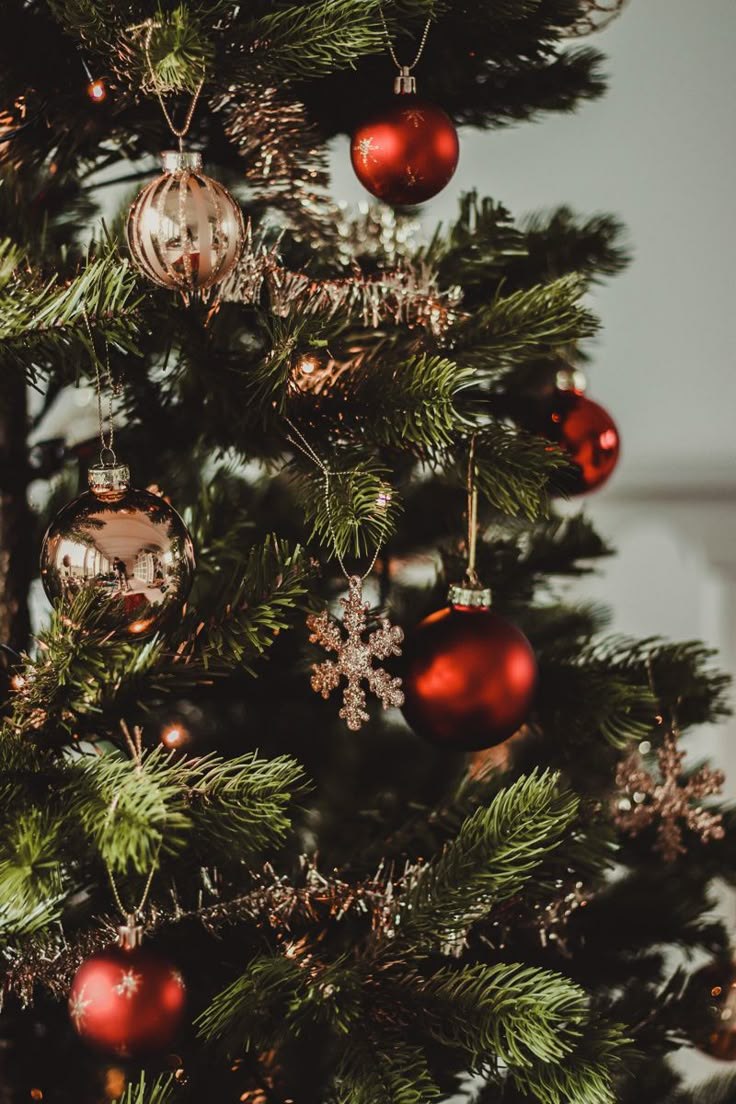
x=645, y=800
x=355, y=657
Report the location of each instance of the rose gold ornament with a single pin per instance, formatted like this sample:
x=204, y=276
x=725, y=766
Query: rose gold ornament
x=185, y=231
x=128, y=546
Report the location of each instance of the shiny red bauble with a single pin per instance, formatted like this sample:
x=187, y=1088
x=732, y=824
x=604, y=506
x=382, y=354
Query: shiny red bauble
x=468, y=678
x=407, y=153
x=586, y=432
x=127, y=1001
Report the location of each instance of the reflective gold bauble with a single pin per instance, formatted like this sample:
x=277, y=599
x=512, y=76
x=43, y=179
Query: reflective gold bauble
x=128, y=546
x=185, y=231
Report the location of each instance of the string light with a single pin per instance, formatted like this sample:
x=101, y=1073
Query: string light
x=175, y=735
x=97, y=90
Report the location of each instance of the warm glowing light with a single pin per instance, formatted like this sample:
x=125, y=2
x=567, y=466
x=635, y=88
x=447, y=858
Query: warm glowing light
x=115, y=1082
x=174, y=735
x=17, y=682
x=137, y=627
x=36, y=1094
x=97, y=91
x=308, y=364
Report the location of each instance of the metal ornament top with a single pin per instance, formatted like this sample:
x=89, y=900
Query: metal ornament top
x=470, y=597
x=108, y=480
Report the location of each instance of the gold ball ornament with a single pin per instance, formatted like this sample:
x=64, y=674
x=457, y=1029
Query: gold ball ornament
x=185, y=231
x=128, y=546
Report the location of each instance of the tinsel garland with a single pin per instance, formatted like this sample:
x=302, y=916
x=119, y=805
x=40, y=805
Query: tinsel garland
x=50, y=960
x=404, y=295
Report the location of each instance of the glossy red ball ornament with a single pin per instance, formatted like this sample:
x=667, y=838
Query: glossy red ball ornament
x=469, y=676
x=407, y=153
x=712, y=996
x=586, y=432
x=127, y=999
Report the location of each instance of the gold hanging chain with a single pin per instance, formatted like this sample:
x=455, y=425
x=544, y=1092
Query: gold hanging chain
x=135, y=746
x=182, y=131
x=304, y=447
x=471, y=574
x=392, y=51
x=106, y=445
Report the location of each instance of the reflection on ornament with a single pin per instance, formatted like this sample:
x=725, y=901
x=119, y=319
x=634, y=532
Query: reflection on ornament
x=97, y=91
x=712, y=995
x=185, y=231
x=469, y=675
x=128, y=546
x=127, y=999
x=313, y=371
x=407, y=153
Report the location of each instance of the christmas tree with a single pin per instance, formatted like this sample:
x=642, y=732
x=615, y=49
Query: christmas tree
x=363, y=843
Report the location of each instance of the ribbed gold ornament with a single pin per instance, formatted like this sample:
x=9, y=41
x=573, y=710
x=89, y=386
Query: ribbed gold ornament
x=185, y=231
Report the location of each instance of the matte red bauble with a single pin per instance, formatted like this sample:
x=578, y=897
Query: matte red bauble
x=586, y=432
x=712, y=992
x=468, y=676
x=127, y=999
x=407, y=153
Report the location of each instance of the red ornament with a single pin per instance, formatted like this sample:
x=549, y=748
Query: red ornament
x=469, y=675
x=127, y=999
x=712, y=996
x=586, y=432
x=407, y=153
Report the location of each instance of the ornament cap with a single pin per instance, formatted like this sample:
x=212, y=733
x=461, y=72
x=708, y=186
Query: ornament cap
x=109, y=481
x=405, y=84
x=470, y=597
x=130, y=934
x=181, y=161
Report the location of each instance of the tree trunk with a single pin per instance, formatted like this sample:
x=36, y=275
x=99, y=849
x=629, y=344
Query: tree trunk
x=16, y=521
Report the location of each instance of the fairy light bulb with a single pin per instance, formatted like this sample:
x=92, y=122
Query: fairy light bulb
x=97, y=91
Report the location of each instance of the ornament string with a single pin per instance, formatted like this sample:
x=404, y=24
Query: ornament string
x=131, y=916
x=303, y=445
x=180, y=132
x=106, y=442
x=471, y=575
x=405, y=70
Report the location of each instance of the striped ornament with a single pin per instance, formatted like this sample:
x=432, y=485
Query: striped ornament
x=185, y=231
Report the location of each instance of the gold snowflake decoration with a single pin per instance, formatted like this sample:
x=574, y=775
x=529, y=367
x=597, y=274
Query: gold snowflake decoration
x=645, y=800
x=129, y=983
x=366, y=148
x=355, y=657
x=78, y=1007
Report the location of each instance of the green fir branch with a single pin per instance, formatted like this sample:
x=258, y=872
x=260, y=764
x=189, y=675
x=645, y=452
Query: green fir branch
x=383, y=1071
x=495, y=852
x=586, y=1076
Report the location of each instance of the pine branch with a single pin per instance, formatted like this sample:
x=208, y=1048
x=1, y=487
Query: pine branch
x=43, y=325
x=513, y=470
x=383, y=1071
x=517, y=1013
x=362, y=509
x=585, y=1076
x=495, y=852
x=159, y=1091
x=32, y=881
x=524, y=324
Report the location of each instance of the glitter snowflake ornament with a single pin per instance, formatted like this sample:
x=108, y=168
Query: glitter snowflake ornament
x=645, y=800
x=355, y=657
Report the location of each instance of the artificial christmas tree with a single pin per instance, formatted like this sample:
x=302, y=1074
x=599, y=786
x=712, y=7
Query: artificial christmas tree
x=359, y=915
